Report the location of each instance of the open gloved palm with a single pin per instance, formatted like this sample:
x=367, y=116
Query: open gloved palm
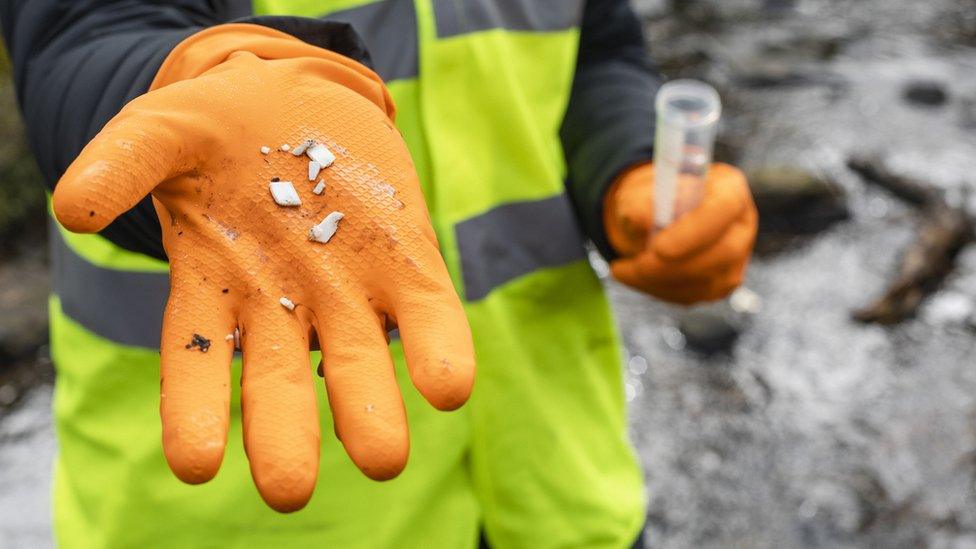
x=234, y=253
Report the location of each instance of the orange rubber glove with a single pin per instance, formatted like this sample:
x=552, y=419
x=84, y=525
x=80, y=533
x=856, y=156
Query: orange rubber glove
x=194, y=142
x=702, y=256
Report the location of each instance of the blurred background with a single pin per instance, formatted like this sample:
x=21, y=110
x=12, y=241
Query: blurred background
x=832, y=401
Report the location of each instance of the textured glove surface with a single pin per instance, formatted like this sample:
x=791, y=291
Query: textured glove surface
x=234, y=253
x=702, y=256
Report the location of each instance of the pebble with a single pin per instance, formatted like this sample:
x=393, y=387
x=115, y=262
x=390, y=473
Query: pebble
x=927, y=93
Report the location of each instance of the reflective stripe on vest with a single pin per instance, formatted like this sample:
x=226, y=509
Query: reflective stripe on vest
x=392, y=60
x=454, y=18
x=122, y=306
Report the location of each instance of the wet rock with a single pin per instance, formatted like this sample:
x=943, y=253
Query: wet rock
x=819, y=43
x=762, y=73
x=792, y=201
x=24, y=289
x=708, y=331
x=927, y=93
x=713, y=328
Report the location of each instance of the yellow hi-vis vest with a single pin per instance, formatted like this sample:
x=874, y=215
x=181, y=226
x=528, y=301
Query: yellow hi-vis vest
x=538, y=458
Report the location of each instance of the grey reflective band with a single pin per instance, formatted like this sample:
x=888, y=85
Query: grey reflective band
x=122, y=306
x=515, y=239
x=455, y=17
x=389, y=29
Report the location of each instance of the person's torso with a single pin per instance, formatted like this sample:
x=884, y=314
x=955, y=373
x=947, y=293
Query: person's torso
x=481, y=87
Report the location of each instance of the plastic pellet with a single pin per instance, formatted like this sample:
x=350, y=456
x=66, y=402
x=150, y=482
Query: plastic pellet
x=302, y=147
x=324, y=231
x=319, y=153
x=313, y=170
x=287, y=303
x=284, y=193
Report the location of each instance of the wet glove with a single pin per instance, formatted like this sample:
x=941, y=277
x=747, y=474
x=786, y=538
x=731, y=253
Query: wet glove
x=240, y=260
x=702, y=256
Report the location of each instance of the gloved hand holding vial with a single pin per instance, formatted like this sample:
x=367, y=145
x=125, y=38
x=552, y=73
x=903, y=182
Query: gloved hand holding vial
x=683, y=227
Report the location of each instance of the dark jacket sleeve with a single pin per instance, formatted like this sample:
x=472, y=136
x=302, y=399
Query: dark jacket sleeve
x=78, y=62
x=609, y=123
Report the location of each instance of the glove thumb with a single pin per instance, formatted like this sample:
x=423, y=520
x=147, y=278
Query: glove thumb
x=136, y=151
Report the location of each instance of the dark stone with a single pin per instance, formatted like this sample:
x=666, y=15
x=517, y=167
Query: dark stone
x=708, y=331
x=792, y=202
x=927, y=93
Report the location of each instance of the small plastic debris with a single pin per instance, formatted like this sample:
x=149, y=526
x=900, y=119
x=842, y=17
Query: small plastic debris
x=265, y=149
x=287, y=303
x=200, y=342
x=326, y=229
x=286, y=147
x=313, y=170
x=229, y=337
x=319, y=187
x=237, y=338
x=284, y=193
x=385, y=189
x=319, y=153
x=302, y=147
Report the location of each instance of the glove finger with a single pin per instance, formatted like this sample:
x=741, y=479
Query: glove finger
x=195, y=380
x=132, y=154
x=281, y=430
x=435, y=334
x=726, y=198
x=688, y=293
x=649, y=268
x=370, y=419
x=733, y=248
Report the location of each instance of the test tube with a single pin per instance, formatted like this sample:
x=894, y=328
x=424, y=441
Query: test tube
x=687, y=117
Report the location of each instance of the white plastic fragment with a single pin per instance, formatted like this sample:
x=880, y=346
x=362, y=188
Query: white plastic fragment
x=284, y=193
x=302, y=147
x=319, y=187
x=319, y=153
x=265, y=149
x=313, y=170
x=326, y=229
x=385, y=189
x=286, y=147
x=229, y=337
x=287, y=303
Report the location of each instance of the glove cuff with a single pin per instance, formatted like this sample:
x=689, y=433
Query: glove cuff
x=209, y=48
